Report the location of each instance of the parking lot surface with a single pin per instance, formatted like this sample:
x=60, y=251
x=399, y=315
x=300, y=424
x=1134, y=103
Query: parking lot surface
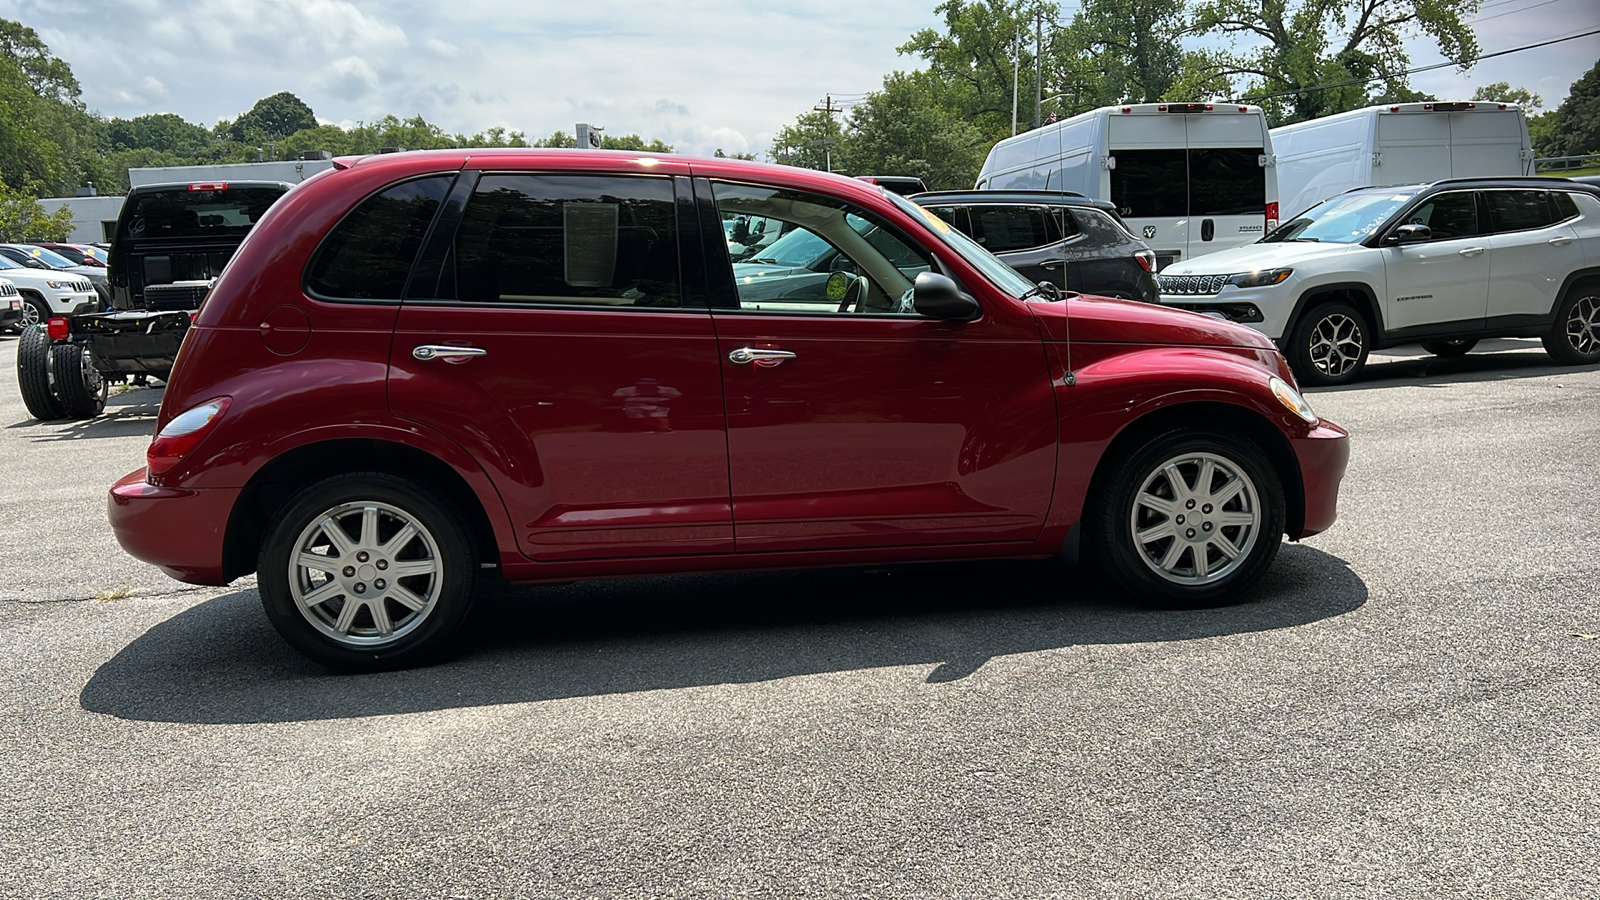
x=1406, y=707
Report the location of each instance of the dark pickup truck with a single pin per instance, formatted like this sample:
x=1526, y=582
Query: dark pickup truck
x=171, y=243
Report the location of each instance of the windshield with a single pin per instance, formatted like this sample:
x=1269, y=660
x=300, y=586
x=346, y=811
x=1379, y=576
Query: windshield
x=797, y=249
x=1001, y=275
x=1346, y=219
x=185, y=213
x=49, y=257
x=8, y=264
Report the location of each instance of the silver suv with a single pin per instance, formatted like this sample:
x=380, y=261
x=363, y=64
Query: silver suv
x=1443, y=264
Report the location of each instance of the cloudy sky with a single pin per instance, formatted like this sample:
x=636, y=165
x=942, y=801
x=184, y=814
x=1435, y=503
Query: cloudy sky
x=697, y=74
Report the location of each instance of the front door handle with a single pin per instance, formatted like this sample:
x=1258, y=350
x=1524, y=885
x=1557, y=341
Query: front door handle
x=445, y=351
x=1561, y=241
x=1470, y=251
x=751, y=355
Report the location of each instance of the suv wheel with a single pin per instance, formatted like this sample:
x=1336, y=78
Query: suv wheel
x=1329, y=345
x=33, y=375
x=1189, y=519
x=79, y=386
x=1575, y=340
x=367, y=571
x=34, y=312
x=1450, y=349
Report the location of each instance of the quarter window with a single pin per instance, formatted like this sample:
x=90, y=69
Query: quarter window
x=1517, y=210
x=565, y=240
x=368, y=255
x=1565, y=207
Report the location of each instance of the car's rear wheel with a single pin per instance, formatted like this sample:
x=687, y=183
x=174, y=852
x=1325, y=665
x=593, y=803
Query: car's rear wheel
x=1329, y=345
x=367, y=571
x=1189, y=519
x=34, y=312
x=33, y=375
x=1575, y=339
x=79, y=386
x=1450, y=349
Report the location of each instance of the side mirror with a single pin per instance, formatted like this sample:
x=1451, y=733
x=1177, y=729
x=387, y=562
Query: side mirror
x=937, y=297
x=1412, y=234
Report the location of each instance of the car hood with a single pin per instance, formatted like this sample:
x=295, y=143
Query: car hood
x=1253, y=257
x=30, y=277
x=742, y=270
x=1104, y=320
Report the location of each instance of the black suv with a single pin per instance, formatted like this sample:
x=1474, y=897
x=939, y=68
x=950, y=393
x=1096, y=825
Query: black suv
x=1080, y=244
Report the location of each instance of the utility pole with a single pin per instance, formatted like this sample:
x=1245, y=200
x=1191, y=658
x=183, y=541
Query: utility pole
x=1038, y=49
x=1016, y=64
x=827, y=143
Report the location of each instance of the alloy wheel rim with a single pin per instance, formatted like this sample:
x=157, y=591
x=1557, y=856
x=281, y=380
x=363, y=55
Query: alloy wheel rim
x=365, y=574
x=30, y=315
x=1336, y=344
x=1196, y=518
x=1583, y=326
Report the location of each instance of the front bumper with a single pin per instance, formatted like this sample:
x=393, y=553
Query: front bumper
x=1264, y=309
x=1323, y=453
x=72, y=304
x=180, y=531
x=10, y=312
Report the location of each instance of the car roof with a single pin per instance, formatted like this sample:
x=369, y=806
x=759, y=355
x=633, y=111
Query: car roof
x=1060, y=198
x=230, y=182
x=1508, y=181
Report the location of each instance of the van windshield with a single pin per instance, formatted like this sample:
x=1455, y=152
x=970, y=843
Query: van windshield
x=1345, y=219
x=183, y=213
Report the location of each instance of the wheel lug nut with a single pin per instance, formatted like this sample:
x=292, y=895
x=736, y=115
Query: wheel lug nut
x=349, y=571
x=362, y=556
x=1180, y=520
x=1189, y=505
x=1190, y=533
x=362, y=589
x=1206, y=526
x=380, y=584
x=383, y=564
x=1206, y=509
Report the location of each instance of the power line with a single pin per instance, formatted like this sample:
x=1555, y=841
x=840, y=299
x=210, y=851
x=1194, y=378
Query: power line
x=1428, y=68
x=1508, y=12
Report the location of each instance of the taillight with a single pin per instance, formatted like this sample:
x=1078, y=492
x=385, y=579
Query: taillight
x=1146, y=259
x=1272, y=217
x=183, y=434
x=58, y=329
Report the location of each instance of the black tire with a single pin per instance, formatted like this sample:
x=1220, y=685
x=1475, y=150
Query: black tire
x=1450, y=349
x=33, y=375
x=1574, y=340
x=1329, y=345
x=442, y=550
x=81, y=389
x=1190, y=567
x=34, y=312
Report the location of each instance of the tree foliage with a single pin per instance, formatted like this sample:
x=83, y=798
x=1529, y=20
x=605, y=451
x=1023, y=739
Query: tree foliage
x=1503, y=92
x=23, y=219
x=273, y=118
x=903, y=130
x=1576, y=129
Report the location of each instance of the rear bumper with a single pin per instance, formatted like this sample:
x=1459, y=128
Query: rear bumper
x=1324, y=452
x=179, y=531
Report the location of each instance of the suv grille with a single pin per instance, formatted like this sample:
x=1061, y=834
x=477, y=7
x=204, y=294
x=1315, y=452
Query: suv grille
x=1192, y=284
x=174, y=296
x=7, y=289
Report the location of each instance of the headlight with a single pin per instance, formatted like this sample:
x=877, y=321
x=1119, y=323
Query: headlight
x=59, y=285
x=1291, y=399
x=1263, y=278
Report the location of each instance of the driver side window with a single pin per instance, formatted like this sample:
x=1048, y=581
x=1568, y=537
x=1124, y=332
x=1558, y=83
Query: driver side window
x=1448, y=216
x=831, y=258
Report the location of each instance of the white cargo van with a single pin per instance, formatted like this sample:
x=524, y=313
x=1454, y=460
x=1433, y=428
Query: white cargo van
x=1190, y=178
x=1404, y=143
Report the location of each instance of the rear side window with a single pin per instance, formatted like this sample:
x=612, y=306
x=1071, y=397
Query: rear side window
x=1517, y=210
x=368, y=255
x=1565, y=207
x=1003, y=228
x=590, y=240
x=1149, y=183
x=1226, y=182
x=1448, y=216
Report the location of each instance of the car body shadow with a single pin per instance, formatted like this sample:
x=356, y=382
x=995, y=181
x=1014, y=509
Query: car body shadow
x=128, y=414
x=220, y=662
x=1501, y=359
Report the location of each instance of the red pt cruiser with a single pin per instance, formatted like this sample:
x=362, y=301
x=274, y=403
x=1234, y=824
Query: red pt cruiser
x=424, y=369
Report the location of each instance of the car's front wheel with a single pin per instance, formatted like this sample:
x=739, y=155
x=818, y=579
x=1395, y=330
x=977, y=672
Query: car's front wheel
x=1189, y=519
x=367, y=571
x=1575, y=339
x=1329, y=345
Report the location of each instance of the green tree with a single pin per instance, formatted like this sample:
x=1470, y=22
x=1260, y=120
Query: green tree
x=984, y=47
x=810, y=142
x=721, y=155
x=273, y=118
x=23, y=219
x=165, y=132
x=1309, y=58
x=902, y=130
x=1503, y=92
x=1576, y=129
x=50, y=78
x=632, y=142
x=558, y=139
x=1133, y=45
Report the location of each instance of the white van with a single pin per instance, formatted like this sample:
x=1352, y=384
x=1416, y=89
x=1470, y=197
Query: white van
x=1403, y=143
x=1190, y=178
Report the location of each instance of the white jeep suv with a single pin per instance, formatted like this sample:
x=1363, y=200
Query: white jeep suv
x=1442, y=264
x=48, y=292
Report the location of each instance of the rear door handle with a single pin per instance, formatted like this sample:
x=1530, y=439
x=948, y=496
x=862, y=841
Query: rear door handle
x=1561, y=241
x=751, y=355
x=1470, y=251
x=445, y=351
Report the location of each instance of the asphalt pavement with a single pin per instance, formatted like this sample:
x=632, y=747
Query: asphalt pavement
x=1406, y=707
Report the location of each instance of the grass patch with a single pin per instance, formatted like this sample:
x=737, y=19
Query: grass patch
x=116, y=593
